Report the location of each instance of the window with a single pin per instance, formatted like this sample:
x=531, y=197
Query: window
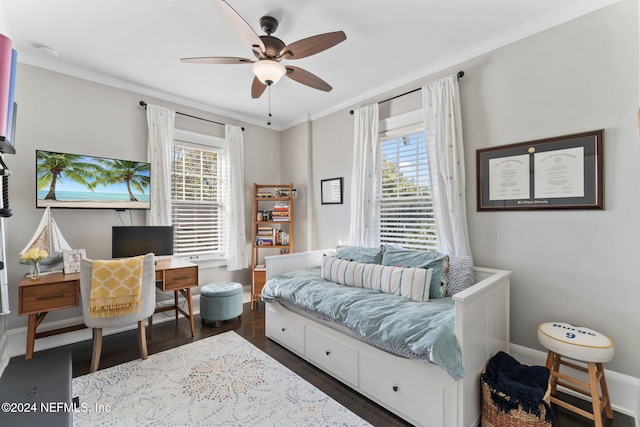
x=197, y=197
x=406, y=214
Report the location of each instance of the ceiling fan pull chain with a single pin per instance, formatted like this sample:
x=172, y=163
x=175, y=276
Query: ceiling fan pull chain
x=269, y=118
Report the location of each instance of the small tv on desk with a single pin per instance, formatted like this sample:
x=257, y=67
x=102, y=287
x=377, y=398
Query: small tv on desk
x=128, y=241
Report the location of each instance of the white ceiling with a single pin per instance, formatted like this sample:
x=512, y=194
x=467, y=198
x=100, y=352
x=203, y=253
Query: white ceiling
x=136, y=45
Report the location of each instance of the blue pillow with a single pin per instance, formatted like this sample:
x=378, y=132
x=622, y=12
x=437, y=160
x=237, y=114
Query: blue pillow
x=410, y=258
x=359, y=254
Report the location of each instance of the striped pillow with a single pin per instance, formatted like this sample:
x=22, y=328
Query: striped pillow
x=412, y=283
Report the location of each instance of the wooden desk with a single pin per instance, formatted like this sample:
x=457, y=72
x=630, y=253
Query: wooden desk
x=58, y=291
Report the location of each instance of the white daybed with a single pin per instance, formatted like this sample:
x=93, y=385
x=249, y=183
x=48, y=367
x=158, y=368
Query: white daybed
x=421, y=393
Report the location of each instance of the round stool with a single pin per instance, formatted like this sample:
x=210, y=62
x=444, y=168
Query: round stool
x=220, y=301
x=584, y=345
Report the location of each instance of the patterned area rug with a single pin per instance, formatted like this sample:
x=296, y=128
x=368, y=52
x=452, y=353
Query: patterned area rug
x=219, y=381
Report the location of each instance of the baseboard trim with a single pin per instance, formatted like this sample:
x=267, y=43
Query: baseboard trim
x=624, y=390
x=17, y=338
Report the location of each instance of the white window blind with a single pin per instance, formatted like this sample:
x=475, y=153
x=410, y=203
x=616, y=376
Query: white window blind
x=406, y=209
x=197, y=201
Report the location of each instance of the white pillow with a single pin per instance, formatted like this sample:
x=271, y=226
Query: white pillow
x=412, y=283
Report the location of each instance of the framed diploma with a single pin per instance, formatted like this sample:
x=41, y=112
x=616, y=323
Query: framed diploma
x=71, y=260
x=564, y=172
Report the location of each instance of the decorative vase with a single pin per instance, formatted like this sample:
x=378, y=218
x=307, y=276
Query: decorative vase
x=34, y=274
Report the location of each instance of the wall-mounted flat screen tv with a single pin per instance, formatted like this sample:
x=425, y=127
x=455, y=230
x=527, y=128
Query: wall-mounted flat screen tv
x=78, y=181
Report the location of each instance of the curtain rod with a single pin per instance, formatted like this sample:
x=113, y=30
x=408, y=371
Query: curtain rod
x=144, y=104
x=460, y=75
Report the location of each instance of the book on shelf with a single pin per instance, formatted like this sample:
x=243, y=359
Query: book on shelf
x=260, y=267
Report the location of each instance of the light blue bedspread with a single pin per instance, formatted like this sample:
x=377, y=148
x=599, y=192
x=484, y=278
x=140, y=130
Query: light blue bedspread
x=426, y=329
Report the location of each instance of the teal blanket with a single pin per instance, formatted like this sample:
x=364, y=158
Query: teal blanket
x=421, y=330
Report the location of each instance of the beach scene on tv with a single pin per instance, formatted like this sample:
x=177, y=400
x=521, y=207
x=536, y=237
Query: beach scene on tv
x=77, y=181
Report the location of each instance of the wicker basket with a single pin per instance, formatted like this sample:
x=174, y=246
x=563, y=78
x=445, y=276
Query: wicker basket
x=492, y=417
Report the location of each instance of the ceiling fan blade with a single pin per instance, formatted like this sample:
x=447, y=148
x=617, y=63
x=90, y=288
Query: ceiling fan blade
x=216, y=60
x=239, y=25
x=306, y=78
x=257, y=88
x=312, y=45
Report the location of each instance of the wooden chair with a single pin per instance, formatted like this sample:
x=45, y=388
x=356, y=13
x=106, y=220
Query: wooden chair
x=97, y=323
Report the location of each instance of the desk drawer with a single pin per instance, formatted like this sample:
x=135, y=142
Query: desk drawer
x=51, y=296
x=181, y=278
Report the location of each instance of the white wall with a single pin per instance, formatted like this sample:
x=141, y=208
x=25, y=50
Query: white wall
x=67, y=114
x=295, y=145
x=332, y=154
x=577, y=266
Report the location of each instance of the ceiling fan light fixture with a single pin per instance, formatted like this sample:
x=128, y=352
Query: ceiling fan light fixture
x=268, y=72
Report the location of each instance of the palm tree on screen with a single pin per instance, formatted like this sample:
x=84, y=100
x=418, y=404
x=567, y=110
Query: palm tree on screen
x=133, y=174
x=54, y=167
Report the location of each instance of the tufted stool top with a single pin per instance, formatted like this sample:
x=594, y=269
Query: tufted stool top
x=575, y=342
x=221, y=289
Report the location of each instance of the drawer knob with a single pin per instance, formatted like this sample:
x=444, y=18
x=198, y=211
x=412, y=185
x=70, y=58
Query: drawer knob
x=327, y=352
x=284, y=329
x=395, y=388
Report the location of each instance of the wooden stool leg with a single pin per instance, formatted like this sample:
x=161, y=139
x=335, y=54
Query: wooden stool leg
x=97, y=349
x=595, y=396
x=605, y=391
x=549, y=359
x=553, y=364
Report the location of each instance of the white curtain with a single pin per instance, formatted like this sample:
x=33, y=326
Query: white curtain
x=234, y=160
x=364, y=179
x=160, y=123
x=443, y=133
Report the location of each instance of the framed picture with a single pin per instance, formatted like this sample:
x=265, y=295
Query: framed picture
x=71, y=260
x=331, y=191
x=564, y=172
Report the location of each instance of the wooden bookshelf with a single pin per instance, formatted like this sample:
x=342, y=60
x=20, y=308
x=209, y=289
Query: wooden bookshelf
x=272, y=230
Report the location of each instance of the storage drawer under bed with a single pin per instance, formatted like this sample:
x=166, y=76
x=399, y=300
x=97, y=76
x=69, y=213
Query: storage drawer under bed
x=281, y=327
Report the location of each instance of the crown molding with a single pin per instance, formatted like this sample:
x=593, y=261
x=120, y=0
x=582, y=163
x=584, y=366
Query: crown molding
x=100, y=78
x=561, y=17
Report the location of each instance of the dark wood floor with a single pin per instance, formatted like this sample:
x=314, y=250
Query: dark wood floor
x=123, y=347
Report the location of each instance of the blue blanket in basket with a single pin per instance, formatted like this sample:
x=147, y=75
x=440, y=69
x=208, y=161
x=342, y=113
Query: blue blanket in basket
x=513, y=384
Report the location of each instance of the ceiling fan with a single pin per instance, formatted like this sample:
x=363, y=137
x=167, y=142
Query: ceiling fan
x=270, y=50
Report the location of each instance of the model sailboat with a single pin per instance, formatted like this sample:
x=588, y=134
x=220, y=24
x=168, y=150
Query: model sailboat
x=49, y=238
